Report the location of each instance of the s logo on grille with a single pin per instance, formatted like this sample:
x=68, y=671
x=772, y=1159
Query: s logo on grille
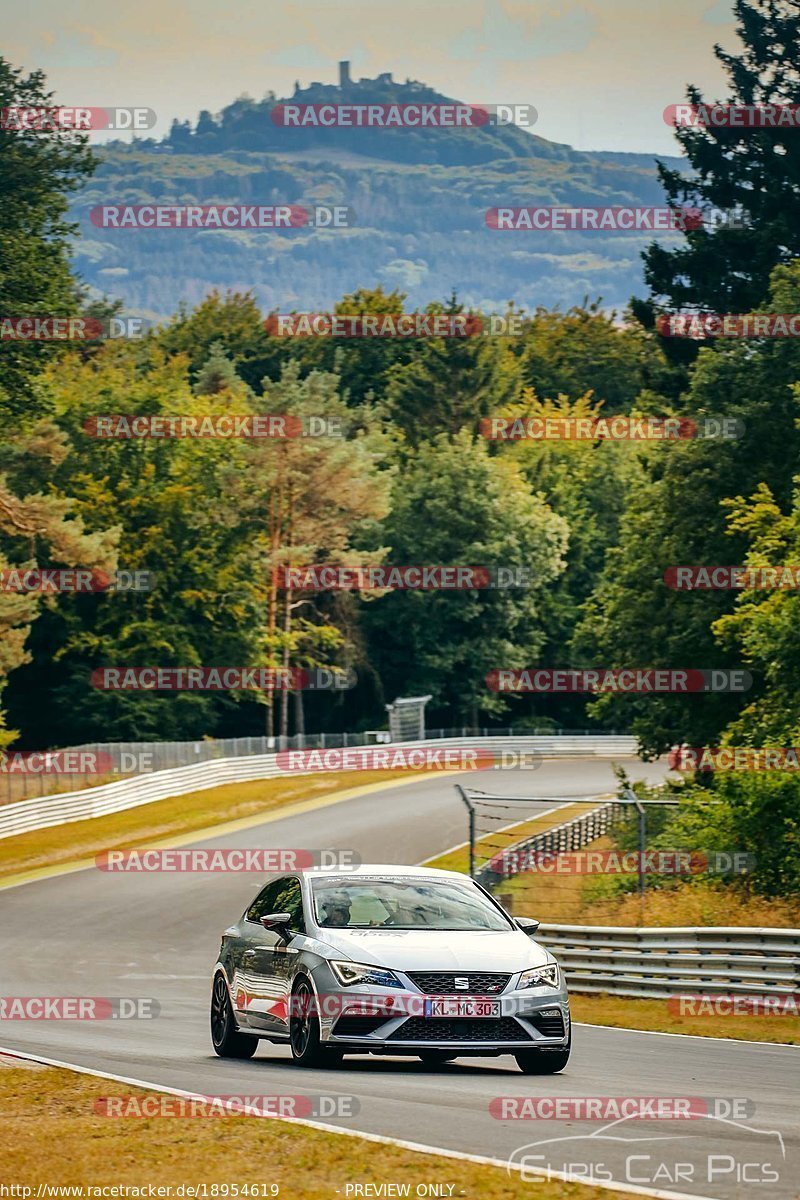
x=461, y=982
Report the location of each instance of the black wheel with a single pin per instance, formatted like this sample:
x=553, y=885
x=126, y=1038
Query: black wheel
x=304, y=1031
x=543, y=1062
x=436, y=1058
x=225, y=1037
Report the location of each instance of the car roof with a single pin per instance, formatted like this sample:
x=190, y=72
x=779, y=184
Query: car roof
x=387, y=870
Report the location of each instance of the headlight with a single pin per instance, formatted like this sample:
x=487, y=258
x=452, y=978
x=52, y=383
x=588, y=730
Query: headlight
x=546, y=976
x=352, y=972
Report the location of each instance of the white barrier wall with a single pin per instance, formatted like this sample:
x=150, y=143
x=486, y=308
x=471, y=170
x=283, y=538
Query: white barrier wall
x=27, y=815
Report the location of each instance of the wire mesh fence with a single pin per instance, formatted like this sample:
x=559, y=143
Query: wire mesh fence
x=33, y=774
x=550, y=857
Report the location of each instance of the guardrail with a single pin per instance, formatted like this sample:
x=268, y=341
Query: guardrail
x=65, y=807
x=673, y=961
x=95, y=763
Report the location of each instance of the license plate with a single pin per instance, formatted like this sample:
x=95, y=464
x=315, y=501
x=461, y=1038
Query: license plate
x=466, y=1007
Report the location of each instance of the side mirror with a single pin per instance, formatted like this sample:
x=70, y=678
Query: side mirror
x=280, y=922
x=528, y=925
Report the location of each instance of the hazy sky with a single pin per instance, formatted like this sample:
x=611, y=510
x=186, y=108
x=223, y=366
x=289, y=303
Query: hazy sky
x=600, y=72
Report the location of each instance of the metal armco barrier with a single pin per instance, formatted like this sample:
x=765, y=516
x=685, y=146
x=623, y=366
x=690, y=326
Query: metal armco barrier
x=667, y=962
x=62, y=808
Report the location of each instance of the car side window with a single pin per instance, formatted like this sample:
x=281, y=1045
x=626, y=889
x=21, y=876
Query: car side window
x=281, y=895
x=290, y=899
x=265, y=902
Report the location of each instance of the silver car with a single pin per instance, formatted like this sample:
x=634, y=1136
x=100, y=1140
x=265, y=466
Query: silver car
x=387, y=960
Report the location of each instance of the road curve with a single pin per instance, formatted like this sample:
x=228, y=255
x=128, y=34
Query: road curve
x=93, y=933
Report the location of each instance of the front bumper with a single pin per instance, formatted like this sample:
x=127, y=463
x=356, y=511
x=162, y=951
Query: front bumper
x=391, y=1021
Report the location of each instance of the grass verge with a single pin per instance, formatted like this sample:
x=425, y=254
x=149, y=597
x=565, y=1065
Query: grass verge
x=175, y=817
x=632, y=1013
x=567, y=899
x=485, y=847
x=52, y=1135
x=579, y=900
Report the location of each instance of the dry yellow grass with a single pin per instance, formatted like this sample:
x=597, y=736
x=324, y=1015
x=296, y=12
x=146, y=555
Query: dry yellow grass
x=571, y=900
x=458, y=859
x=174, y=817
x=566, y=899
x=631, y=1013
x=51, y=1136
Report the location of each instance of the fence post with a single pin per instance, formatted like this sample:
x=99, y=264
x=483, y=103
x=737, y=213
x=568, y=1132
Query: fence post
x=471, y=810
x=642, y=818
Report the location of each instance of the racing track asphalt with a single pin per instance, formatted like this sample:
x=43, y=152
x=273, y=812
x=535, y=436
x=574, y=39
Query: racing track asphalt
x=92, y=933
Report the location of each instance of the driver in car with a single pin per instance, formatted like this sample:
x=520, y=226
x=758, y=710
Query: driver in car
x=336, y=912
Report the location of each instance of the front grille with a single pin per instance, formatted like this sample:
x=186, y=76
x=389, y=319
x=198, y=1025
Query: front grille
x=460, y=1029
x=548, y=1026
x=357, y=1026
x=442, y=983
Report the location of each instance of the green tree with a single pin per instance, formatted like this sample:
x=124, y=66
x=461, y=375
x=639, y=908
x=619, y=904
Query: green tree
x=363, y=364
x=451, y=383
x=764, y=626
x=588, y=350
x=676, y=515
x=303, y=500
x=752, y=171
x=38, y=171
x=38, y=524
x=231, y=325
x=585, y=483
x=453, y=504
x=167, y=499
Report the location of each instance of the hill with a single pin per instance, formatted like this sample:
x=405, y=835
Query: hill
x=419, y=197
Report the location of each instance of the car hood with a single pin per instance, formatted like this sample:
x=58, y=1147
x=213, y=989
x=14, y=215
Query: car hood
x=436, y=950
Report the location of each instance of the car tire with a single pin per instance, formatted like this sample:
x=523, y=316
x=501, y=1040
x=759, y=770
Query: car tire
x=304, y=1031
x=225, y=1037
x=436, y=1058
x=543, y=1062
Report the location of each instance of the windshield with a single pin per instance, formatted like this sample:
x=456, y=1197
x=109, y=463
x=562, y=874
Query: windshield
x=403, y=904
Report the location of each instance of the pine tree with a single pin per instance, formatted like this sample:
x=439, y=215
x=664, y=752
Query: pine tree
x=754, y=171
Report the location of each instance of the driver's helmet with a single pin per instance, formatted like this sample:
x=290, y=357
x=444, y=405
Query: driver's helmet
x=335, y=903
